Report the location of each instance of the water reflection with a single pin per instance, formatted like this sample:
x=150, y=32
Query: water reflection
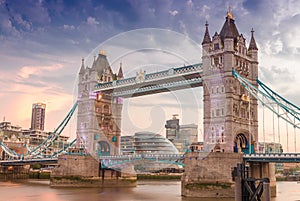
x=146, y=190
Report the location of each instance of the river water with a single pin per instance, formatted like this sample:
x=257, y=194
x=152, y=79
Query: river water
x=145, y=191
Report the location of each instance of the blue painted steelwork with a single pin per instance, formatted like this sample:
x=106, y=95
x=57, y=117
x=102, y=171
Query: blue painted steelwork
x=8, y=151
x=172, y=79
x=278, y=158
x=40, y=159
x=63, y=149
x=288, y=111
x=36, y=152
x=53, y=136
x=113, y=161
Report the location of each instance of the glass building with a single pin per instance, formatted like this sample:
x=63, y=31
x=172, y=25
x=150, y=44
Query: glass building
x=126, y=145
x=151, y=143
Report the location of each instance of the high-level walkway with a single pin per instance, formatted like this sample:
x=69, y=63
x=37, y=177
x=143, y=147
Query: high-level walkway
x=152, y=83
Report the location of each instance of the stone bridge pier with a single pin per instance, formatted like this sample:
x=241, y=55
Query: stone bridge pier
x=209, y=175
x=264, y=170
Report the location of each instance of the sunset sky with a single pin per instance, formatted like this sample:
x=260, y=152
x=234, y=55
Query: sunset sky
x=42, y=43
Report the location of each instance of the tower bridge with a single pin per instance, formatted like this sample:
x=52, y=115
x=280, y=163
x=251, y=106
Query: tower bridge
x=230, y=111
x=228, y=74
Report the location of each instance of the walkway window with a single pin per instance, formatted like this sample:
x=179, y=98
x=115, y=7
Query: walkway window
x=216, y=46
x=223, y=138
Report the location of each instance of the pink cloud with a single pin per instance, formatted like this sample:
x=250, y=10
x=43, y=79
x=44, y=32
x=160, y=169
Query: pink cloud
x=26, y=71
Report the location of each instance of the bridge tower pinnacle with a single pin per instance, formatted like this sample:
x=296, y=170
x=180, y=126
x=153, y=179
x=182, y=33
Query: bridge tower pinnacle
x=230, y=113
x=99, y=115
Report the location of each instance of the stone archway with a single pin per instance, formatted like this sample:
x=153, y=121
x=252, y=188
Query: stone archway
x=241, y=144
x=103, y=148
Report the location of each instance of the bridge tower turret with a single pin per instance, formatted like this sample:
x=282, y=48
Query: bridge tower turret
x=99, y=115
x=230, y=113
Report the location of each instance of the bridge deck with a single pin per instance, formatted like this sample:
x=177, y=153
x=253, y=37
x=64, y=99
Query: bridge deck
x=278, y=158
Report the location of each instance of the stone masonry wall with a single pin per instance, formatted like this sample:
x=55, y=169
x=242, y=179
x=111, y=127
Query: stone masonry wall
x=84, y=171
x=76, y=165
x=209, y=175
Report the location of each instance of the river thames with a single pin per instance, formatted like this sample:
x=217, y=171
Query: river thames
x=145, y=191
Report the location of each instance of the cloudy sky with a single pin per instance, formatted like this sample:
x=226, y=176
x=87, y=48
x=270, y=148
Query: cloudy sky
x=42, y=43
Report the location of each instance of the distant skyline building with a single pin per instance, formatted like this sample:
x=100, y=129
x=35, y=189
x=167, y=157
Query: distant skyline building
x=182, y=136
x=11, y=136
x=38, y=116
x=126, y=146
x=152, y=143
x=269, y=147
x=172, y=128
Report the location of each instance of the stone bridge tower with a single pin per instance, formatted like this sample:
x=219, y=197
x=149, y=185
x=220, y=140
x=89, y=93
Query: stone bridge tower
x=99, y=115
x=230, y=113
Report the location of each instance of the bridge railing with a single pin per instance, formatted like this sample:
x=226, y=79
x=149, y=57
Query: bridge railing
x=141, y=156
x=263, y=155
x=273, y=157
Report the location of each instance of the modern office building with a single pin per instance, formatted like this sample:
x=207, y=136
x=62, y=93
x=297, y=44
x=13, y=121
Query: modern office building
x=38, y=116
x=182, y=136
x=126, y=146
x=172, y=128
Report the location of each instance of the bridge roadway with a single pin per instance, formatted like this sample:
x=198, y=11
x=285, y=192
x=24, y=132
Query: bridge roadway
x=29, y=161
x=259, y=157
x=273, y=157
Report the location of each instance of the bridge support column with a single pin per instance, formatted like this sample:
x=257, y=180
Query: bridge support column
x=209, y=176
x=264, y=170
x=85, y=171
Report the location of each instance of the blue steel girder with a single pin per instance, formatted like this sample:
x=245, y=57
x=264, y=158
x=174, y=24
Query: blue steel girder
x=163, y=81
x=53, y=136
x=268, y=98
x=115, y=161
x=274, y=157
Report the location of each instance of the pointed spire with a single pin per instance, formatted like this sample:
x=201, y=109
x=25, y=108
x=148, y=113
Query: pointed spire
x=229, y=29
x=82, y=69
x=206, y=38
x=252, y=45
x=120, y=73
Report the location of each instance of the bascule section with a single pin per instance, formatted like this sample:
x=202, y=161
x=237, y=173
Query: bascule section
x=230, y=112
x=99, y=114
